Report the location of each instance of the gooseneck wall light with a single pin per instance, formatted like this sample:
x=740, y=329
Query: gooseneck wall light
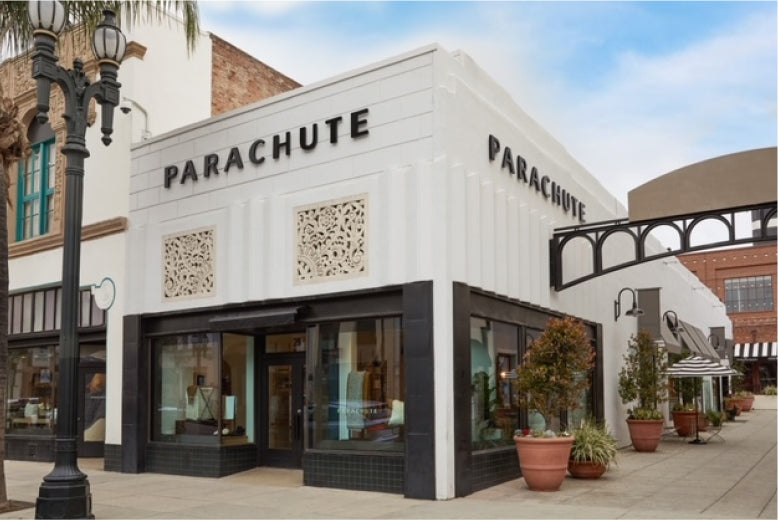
x=635, y=311
x=671, y=318
x=65, y=492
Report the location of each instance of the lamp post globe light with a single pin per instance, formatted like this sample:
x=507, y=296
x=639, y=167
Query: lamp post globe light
x=64, y=493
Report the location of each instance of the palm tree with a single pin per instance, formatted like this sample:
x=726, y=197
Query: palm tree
x=16, y=34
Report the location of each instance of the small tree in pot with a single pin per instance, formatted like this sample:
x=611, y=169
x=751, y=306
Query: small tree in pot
x=642, y=380
x=552, y=377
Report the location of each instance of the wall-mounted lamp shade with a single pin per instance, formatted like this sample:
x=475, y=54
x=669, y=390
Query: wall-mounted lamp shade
x=673, y=322
x=47, y=15
x=634, y=312
x=109, y=42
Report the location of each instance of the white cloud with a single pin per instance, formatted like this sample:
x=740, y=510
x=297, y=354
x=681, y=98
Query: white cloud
x=647, y=115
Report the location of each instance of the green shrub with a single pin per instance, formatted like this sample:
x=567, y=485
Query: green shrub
x=645, y=414
x=715, y=418
x=641, y=377
x=770, y=390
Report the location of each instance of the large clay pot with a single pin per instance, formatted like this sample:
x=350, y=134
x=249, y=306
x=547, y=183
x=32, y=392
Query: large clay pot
x=543, y=461
x=737, y=404
x=702, y=423
x=645, y=434
x=684, y=423
x=748, y=403
x=585, y=469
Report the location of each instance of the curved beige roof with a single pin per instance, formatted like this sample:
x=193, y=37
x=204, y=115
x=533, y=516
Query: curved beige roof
x=730, y=181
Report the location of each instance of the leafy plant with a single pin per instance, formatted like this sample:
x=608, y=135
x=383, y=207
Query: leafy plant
x=744, y=393
x=550, y=374
x=593, y=443
x=770, y=390
x=641, y=377
x=715, y=418
x=683, y=407
x=738, y=381
x=645, y=414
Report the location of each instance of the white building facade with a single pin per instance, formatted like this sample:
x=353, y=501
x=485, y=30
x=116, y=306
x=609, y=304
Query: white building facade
x=339, y=278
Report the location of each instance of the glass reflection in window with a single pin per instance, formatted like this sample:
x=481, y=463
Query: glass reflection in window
x=493, y=359
x=32, y=396
x=359, y=386
x=201, y=388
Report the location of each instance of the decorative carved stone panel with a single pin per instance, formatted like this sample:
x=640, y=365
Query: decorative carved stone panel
x=189, y=265
x=331, y=240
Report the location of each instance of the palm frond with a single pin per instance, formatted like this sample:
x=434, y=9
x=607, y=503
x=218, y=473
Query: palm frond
x=16, y=32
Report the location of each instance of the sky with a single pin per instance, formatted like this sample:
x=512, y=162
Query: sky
x=633, y=90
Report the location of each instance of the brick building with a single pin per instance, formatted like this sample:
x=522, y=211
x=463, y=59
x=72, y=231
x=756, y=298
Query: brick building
x=744, y=280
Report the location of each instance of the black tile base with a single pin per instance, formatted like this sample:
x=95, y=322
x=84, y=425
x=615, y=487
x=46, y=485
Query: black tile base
x=112, y=457
x=363, y=472
x=197, y=461
x=493, y=467
x=33, y=448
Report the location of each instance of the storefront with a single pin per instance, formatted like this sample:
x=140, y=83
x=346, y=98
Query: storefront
x=343, y=277
x=33, y=374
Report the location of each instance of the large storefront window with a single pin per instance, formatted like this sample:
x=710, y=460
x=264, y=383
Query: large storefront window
x=494, y=348
x=358, y=386
x=32, y=396
x=203, y=386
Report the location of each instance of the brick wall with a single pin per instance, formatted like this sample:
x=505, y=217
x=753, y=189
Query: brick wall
x=714, y=267
x=238, y=79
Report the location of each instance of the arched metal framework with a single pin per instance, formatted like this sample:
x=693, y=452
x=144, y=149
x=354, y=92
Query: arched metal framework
x=597, y=233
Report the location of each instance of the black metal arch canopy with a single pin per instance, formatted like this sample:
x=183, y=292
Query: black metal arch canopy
x=597, y=234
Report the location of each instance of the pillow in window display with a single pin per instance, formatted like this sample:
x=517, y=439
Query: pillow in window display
x=398, y=413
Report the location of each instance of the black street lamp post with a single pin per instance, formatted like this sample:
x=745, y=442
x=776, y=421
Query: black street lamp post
x=64, y=492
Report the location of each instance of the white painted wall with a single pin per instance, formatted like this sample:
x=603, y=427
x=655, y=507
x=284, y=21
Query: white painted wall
x=438, y=209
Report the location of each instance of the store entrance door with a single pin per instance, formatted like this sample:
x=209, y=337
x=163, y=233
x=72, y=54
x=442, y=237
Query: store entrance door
x=282, y=414
x=91, y=411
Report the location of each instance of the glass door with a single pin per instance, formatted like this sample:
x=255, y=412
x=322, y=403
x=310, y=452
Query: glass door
x=91, y=412
x=282, y=439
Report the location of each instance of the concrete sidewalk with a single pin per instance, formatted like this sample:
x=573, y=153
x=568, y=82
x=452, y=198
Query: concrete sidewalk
x=733, y=478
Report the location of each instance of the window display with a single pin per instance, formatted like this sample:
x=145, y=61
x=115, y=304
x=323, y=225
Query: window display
x=494, y=348
x=359, y=386
x=201, y=389
x=32, y=399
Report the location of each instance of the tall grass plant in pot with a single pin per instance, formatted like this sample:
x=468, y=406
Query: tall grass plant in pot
x=643, y=385
x=594, y=448
x=552, y=376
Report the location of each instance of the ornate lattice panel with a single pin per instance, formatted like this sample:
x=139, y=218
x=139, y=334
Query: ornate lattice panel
x=331, y=240
x=190, y=265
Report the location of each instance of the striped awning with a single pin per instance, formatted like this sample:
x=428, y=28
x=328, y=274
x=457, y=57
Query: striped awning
x=756, y=350
x=697, y=366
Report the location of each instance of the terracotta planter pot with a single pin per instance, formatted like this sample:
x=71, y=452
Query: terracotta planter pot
x=543, y=462
x=585, y=469
x=736, y=403
x=702, y=423
x=748, y=403
x=645, y=434
x=684, y=423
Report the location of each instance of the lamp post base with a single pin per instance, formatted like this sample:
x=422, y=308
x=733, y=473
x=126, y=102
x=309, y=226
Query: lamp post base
x=70, y=499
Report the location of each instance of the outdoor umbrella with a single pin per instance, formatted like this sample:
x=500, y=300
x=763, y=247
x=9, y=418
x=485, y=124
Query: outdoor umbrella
x=697, y=366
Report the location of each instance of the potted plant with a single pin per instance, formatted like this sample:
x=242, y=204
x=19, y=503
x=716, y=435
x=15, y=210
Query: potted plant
x=551, y=377
x=684, y=418
x=731, y=408
x=642, y=380
x=594, y=448
x=748, y=399
x=714, y=418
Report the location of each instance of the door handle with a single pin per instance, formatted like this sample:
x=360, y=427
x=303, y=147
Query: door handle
x=298, y=426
